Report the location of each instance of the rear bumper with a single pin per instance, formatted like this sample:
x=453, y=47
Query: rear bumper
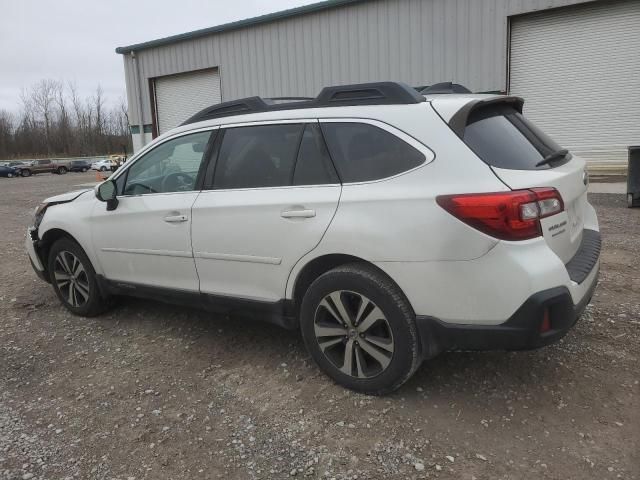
x=522, y=331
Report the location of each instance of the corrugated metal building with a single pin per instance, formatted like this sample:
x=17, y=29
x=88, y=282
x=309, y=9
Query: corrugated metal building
x=576, y=62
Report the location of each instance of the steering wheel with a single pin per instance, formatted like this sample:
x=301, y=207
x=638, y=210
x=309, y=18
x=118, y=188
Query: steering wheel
x=177, y=182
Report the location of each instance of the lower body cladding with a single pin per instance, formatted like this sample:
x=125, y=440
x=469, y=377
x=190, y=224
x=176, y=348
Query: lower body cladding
x=516, y=300
x=543, y=319
x=543, y=297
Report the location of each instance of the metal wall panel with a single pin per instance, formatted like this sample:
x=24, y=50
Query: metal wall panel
x=416, y=41
x=579, y=72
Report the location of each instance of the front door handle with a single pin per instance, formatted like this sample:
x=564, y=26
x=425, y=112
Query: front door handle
x=295, y=213
x=175, y=218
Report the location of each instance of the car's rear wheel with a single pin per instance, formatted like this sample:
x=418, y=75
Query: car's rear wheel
x=84, y=170
x=62, y=170
x=360, y=329
x=103, y=169
x=9, y=175
x=25, y=173
x=74, y=279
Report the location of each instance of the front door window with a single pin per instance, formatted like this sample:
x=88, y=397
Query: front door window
x=172, y=166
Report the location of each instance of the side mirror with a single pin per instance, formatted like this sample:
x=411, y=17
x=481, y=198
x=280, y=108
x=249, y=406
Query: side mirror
x=106, y=192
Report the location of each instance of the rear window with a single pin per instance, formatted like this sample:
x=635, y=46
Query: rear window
x=502, y=137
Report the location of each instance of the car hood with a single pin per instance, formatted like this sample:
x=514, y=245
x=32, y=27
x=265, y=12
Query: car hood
x=67, y=197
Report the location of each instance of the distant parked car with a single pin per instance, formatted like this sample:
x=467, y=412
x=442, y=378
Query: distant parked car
x=44, y=166
x=101, y=165
x=22, y=168
x=6, y=171
x=79, y=166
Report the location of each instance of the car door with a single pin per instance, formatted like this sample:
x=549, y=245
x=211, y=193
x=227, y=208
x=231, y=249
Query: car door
x=272, y=192
x=41, y=166
x=146, y=240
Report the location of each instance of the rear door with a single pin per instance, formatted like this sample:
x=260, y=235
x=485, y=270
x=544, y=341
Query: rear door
x=516, y=149
x=272, y=192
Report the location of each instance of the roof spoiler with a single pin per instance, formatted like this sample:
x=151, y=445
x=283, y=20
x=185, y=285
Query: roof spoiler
x=458, y=122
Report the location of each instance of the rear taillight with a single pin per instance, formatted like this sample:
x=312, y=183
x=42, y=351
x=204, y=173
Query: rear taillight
x=513, y=215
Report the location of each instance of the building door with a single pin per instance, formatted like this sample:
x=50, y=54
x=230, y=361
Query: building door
x=177, y=97
x=578, y=70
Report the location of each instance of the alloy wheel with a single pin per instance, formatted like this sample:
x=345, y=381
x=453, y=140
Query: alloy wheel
x=71, y=279
x=353, y=334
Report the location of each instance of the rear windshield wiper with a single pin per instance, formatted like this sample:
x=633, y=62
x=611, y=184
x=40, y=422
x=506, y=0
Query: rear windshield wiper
x=557, y=155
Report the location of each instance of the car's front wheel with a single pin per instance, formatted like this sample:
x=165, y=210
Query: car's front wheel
x=62, y=170
x=25, y=173
x=103, y=169
x=360, y=329
x=74, y=279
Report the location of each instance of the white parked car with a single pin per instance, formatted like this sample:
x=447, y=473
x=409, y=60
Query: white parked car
x=387, y=224
x=101, y=165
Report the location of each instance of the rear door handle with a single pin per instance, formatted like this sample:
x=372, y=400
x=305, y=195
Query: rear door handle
x=175, y=218
x=302, y=213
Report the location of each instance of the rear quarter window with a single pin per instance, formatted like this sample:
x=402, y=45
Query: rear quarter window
x=362, y=152
x=502, y=137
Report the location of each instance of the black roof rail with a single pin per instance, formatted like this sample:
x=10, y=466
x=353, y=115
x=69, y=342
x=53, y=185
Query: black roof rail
x=377, y=93
x=291, y=99
x=445, y=87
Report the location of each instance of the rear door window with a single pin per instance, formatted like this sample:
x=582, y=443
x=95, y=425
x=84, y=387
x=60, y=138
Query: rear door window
x=502, y=137
x=257, y=156
x=363, y=152
x=314, y=166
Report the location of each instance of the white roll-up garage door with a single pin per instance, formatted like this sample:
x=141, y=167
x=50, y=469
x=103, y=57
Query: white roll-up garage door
x=180, y=96
x=578, y=70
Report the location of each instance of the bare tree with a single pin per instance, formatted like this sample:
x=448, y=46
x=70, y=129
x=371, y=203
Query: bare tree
x=64, y=121
x=55, y=120
x=43, y=97
x=6, y=133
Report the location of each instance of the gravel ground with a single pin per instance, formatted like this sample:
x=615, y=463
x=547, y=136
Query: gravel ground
x=155, y=391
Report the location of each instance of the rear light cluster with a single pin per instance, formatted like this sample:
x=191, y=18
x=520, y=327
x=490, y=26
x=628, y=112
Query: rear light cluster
x=513, y=215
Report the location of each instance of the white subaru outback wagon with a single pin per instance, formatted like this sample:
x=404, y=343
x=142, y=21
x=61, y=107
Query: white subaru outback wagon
x=388, y=224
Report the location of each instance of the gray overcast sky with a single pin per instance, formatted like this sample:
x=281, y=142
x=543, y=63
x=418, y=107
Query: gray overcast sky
x=75, y=40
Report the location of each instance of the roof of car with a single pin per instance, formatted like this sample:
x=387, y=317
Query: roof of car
x=452, y=103
x=368, y=100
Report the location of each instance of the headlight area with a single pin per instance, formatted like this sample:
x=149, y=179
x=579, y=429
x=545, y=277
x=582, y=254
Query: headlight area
x=41, y=209
x=38, y=214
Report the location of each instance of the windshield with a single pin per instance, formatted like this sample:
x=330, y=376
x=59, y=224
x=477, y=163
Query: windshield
x=502, y=137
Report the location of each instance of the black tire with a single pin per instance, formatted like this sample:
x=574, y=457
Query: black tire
x=62, y=170
x=25, y=173
x=103, y=169
x=95, y=303
x=364, y=281
x=84, y=170
x=9, y=175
